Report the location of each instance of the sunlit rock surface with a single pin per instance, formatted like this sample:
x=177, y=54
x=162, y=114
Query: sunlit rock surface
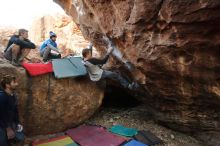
x=5, y=34
x=69, y=37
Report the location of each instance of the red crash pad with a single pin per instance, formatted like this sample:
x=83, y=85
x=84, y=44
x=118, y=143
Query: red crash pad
x=35, y=69
x=87, y=135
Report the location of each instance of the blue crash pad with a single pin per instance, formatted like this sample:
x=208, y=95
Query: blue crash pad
x=68, y=67
x=134, y=143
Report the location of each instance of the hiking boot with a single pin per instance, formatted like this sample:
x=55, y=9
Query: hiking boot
x=15, y=61
x=133, y=86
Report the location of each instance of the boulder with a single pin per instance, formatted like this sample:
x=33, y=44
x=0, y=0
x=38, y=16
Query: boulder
x=48, y=105
x=174, y=48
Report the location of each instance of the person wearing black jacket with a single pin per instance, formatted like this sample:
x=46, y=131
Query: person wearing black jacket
x=10, y=128
x=18, y=47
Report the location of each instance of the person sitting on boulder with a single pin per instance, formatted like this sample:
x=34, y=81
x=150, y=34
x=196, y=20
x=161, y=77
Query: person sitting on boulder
x=18, y=47
x=95, y=71
x=48, y=46
x=10, y=127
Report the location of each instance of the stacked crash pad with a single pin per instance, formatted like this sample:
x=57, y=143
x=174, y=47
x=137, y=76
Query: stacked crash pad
x=35, y=69
x=62, y=68
x=68, y=67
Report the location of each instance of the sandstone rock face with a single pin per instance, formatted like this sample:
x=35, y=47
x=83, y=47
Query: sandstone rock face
x=70, y=38
x=5, y=34
x=174, y=46
x=48, y=105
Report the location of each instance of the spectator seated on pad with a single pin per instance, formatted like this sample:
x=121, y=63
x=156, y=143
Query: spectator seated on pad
x=10, y=128
x=96, y=73
x=48, y=49
x=18, y=47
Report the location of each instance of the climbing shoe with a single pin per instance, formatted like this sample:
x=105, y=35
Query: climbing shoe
x=129, y=66
x=133, y=86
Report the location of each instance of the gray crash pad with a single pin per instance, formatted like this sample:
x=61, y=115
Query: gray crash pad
x=68, y=67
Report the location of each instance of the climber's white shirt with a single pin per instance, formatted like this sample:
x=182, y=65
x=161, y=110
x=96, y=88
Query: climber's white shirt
x=95, y=72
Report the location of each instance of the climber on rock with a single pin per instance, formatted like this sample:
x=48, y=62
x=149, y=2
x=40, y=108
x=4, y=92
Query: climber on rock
x=10, y=128
x=95, y=71
x=48, y=49
x=18, y=47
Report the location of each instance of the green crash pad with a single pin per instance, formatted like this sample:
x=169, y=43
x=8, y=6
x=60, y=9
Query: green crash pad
x=68, y=67
x=124, y=131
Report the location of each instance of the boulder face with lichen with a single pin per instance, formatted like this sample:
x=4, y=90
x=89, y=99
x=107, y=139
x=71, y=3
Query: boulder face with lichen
x=175, y=49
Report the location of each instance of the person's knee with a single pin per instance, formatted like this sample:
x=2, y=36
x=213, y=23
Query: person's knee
x=16, y=46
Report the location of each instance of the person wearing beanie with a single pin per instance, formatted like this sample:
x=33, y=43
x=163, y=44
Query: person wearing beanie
x=48, y=46
x=18, y=47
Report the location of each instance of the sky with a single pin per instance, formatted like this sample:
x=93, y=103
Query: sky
x=21, y=13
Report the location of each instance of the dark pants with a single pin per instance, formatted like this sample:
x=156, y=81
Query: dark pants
x=3, y=138
x=47, y=55
x=19, y=138
x=115, y=76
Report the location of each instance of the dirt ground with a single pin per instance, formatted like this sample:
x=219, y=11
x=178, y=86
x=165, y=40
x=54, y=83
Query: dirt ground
x=134, y=118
